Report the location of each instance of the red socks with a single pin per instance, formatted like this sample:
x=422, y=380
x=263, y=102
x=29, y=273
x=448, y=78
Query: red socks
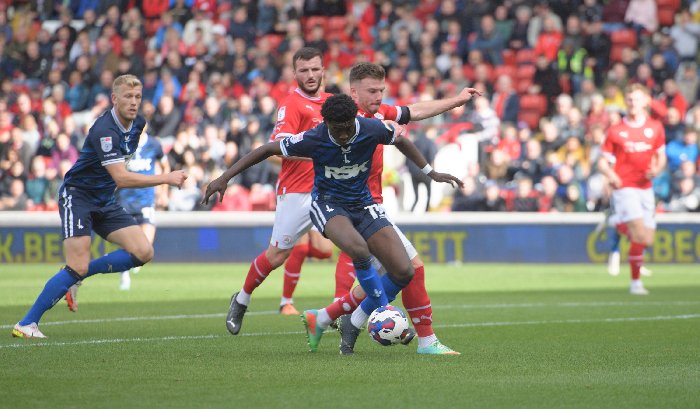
x=344, y=275
x=636, y=259
x=636, y=253
x=258, y=272
x=292, y=269
x=345, y=304
x=415, y=299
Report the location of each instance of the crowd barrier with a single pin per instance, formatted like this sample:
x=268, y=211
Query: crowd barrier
x=198, y=237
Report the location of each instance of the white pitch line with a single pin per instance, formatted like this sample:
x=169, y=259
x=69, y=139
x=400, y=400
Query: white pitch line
x=441, y=307
x=34, y=343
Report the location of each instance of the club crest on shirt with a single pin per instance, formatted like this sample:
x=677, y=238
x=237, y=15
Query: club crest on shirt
x=106, y=143
x=649, y=133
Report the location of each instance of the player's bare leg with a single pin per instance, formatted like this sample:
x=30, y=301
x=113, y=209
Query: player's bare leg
x=125, y=278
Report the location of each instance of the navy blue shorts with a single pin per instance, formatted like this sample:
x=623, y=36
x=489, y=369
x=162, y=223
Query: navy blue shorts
x=83, y=212
x=367, y=219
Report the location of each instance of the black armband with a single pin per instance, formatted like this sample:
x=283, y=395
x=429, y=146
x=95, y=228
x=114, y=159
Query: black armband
x=405, y=115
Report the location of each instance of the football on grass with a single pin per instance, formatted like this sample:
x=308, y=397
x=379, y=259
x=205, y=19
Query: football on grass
x=387, y=325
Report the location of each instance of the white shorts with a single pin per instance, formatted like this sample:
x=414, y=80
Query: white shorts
x=631, y=203
x=292, y=219
x=412, y=252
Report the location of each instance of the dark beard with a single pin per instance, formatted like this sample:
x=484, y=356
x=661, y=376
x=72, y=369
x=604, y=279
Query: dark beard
x=309, y=91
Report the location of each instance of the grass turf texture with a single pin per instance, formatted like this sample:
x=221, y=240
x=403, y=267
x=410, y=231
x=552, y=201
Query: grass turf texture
x=531, y=336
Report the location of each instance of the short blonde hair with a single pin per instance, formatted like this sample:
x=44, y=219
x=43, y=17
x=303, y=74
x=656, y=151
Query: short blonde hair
x=127, y=79
x=637, y=87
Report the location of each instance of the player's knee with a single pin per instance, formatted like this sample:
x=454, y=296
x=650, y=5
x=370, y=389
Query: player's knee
x=358, y=251
x=77, y=269
x=417, y=262
x=277, y=256
x=404, y=275
x=143, y=255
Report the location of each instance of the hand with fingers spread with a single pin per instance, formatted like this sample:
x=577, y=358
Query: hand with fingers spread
x=445, y=178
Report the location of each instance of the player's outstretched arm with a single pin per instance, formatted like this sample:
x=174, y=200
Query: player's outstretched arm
x=428, y=109
x=220, y=184
x=405, y=146
x=125, y=179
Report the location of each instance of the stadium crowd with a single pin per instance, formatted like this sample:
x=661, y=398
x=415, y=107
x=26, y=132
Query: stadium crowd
x=214, y=71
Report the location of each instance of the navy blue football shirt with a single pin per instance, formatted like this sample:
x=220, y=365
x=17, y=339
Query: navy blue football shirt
x=147, y=155
x=107, y=142
x=341, y=172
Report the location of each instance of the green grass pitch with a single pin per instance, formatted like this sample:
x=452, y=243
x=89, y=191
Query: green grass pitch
x=531, y=336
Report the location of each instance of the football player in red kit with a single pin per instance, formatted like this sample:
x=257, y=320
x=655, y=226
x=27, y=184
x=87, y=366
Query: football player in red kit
x=633, y=154
x=300, y=111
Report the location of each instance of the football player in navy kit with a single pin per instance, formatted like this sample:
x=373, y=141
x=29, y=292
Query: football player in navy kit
x=342, y=207
x=141, y=203
x=87, y=202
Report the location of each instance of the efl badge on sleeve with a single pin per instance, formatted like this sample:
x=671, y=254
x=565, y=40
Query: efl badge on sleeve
x=106, y=143
x=281, y=112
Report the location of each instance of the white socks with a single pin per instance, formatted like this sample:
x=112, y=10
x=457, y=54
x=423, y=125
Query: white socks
x=358, y=318
x=243, y=297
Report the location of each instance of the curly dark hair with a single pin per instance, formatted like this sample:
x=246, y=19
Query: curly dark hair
x=339, y=108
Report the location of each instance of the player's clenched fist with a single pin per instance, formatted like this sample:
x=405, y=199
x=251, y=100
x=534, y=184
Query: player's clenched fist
x=177, y=178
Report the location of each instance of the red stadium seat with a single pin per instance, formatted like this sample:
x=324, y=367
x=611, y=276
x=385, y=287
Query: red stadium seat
x=671, y=4
x=531, y=118
x=525, y=56
x=522, y=85
x=666, y=16
x=616, y=53
x=337, y=23
x=509, y=57
x=525, y=72
x=275, y=40
x=313, y=21
x=626, y=37
x=533, y=102
x=504, y=70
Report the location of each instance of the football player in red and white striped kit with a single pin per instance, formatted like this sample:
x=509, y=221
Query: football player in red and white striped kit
x=299, y=111
x=633, y=154
x=367, y=87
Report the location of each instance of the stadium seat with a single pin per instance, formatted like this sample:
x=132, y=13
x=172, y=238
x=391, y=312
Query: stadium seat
x=337, y=23
x=525, y=72
x=531, y=118
x=626, y=37
x=274, y=40
x=509, y=57
x=616, y=53
x=666, y=16
x=504, y=70
x=533, y=102
x=525, y=56
x=672, y=4
x=522, y=85
x=312, y=21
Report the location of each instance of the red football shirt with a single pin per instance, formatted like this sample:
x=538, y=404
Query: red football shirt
x=297, y=113
x=631, y=148
x=391, y=113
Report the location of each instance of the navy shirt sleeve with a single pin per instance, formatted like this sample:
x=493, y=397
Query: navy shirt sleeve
x=297, y=145
x=106, y=144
